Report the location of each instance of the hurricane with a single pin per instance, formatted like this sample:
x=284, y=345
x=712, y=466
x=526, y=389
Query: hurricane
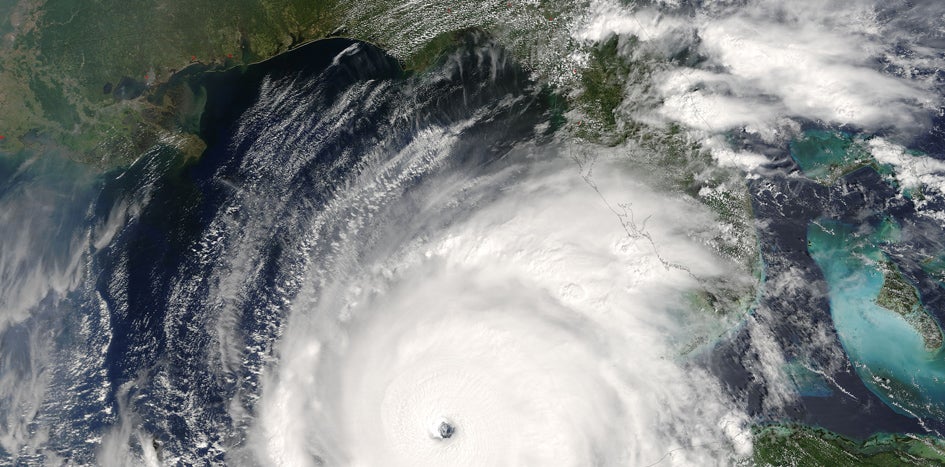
x=501, y=295
x=468, y=289
x=513, y=234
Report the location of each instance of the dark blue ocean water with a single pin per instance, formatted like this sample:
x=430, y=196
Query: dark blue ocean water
x=186, y=267
x=152, y=300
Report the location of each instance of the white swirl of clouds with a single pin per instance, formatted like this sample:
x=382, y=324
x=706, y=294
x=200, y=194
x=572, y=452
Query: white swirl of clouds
x=513, y=305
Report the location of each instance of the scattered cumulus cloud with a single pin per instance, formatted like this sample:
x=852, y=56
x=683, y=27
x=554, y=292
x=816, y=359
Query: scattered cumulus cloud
x=912, y=171
x=766, y=61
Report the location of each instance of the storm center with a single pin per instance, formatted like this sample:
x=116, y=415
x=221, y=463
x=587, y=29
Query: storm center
x=442, y=429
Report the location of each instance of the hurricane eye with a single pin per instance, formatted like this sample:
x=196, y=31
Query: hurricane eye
x=444, y=430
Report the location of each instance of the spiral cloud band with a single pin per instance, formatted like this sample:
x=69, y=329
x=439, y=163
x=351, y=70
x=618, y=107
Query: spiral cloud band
x=533, y=326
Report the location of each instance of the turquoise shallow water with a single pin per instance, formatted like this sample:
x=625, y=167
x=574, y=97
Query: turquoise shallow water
x=826, y=155
x=888, y=353
x=822, y=154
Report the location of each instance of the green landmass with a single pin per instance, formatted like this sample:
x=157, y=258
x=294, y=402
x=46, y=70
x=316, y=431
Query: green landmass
x=622, y=66
x=604, y=84
x=82, y=75
x=800, y=446
x=434, y=50
x=898, y=295
x=100, y=80
x=59, y=57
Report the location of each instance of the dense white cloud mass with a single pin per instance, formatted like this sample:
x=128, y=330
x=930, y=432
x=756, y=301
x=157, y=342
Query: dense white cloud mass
x=540, y=310
x=606, y=19
x=708, y=109
x=815, y=70
x=377, y=287
x=534, y=324
x=912, y=171
x=767, y=60
x=727, y=157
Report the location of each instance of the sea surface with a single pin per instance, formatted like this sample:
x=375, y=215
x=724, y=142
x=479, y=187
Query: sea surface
x=144, y=308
